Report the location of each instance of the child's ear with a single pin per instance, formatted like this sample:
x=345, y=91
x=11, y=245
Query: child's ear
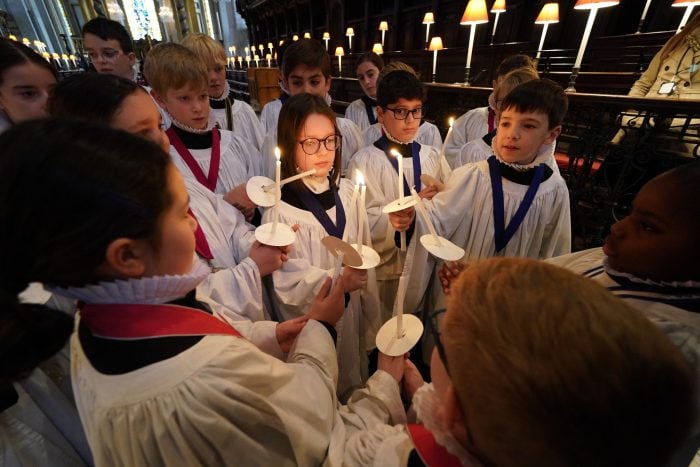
x=553, y=134
x=157, y=98
x=125, y=258
x=453, y=416
x=380, y=115
x=328, y=83
x=132, y=58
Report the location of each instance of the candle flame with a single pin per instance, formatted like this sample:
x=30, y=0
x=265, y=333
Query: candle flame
x=451, y=121
x=278, y=154
x=395, y=153
x=359, y=177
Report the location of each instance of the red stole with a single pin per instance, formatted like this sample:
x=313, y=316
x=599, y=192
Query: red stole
x=125, y=321
x=210, y=179
x=431, y=453
x=201, y=243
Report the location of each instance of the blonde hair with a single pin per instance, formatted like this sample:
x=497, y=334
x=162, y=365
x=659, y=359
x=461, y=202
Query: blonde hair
x=211, y=52
x=548, y=365
x=173, y=66
x=513, y=78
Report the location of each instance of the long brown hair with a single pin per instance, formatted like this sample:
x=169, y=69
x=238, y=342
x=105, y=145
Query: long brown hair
x=291, y=120
x=679, y=38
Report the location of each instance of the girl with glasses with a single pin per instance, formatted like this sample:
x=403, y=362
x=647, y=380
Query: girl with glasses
x=308, y=138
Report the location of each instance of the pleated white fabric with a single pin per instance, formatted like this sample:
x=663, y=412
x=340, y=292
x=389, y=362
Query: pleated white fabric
x=428, y=134
x=269, y=116
x=470, y=126
x=245, y=122
x=357, y=113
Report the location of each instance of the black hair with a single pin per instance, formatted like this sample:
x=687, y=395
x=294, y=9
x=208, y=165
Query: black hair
x=513, y=62
x=371, y=57
x=93, y=97
x=67, y=190
x=13, y=53
x=539, y=95
x=107, y=29
x=309, y=52
x=397, y=85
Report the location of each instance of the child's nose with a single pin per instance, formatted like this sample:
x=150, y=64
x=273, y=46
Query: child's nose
x=618, y=228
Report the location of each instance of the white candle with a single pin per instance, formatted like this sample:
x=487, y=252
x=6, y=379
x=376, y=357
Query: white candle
x=424, y=215
x=399, y=159
x=353, y=207
x=278, y=190
x=401, y=293
x=361, y=217
x=338, y=266
x=269, y=188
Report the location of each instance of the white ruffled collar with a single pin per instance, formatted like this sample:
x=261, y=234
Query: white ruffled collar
x=317, y=185
x=394, y=140
x=544, y=154
x=210, y=126
x=426, y=404
x=648, y=282
x=145, y=290
x=224, y=95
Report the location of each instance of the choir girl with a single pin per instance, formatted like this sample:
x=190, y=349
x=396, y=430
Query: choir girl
x=25, y=81
x=318, y=204
x=400, y=100
x=363, y=111
x=477, y=122
x=228, y=113
x=213, y=157
x=535, y=365
x=428, y=133
x=225, y=242
x=161, y=375
x=307, y=69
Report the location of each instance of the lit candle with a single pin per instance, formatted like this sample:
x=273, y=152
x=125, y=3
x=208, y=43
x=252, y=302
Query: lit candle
x=424, y=215
x=399, y=159
x=338, y=266
x=451, y=122
x=269, y=60
x=361, y=215
x=278, y=190
x=401, y=293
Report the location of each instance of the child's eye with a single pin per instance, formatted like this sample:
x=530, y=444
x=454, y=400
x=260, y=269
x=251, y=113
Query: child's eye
x=315, y=83
x=28, y=94
x=647, y=226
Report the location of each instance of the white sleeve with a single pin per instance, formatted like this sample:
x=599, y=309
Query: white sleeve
x=430, y=134
x=246, y=123
x=352, y=142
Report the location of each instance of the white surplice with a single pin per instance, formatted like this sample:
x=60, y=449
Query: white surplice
x=470, y=126
x=245, y=123
x=239, y=162
x=477, y=150
x=463, y=213
x=224, y=401
x=235, y=278
x=301, y=276
x=428, y=134
x=269, y=116
x=357, y=113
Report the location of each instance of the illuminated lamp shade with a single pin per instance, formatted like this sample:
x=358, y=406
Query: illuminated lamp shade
x=307, y=35
x=428, y=19
x=384, y=26
x=435, y=45
x=474, y=14
x=350, y=32
x=339, y=52
x=593, y=6
x=326, y=35
x=689, y=4
x=378, y=48
x=499, y=6
x=548, y=15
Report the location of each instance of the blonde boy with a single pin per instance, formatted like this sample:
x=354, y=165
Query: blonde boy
x=227, y=112
x=179, y=84
x=535, y=365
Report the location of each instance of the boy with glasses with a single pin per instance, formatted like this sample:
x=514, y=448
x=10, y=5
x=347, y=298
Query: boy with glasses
x=400, y=107
x=536, y=365
x=109, y=47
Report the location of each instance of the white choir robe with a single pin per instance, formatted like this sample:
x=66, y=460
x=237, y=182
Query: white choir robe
x=477, y=150
x=300, y=278
x=382, y=189
x=236, y=281
x=352, y=142
x=269, y=116
x=428, y=134
x=470, y=126
x=223, y=401
x=239, y=162
x=245, y=123
x=357, y=113
x=463, y=213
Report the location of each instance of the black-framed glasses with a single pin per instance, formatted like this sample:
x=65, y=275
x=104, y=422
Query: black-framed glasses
x=311, y=146
x=402, y=114
x=433, y=324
